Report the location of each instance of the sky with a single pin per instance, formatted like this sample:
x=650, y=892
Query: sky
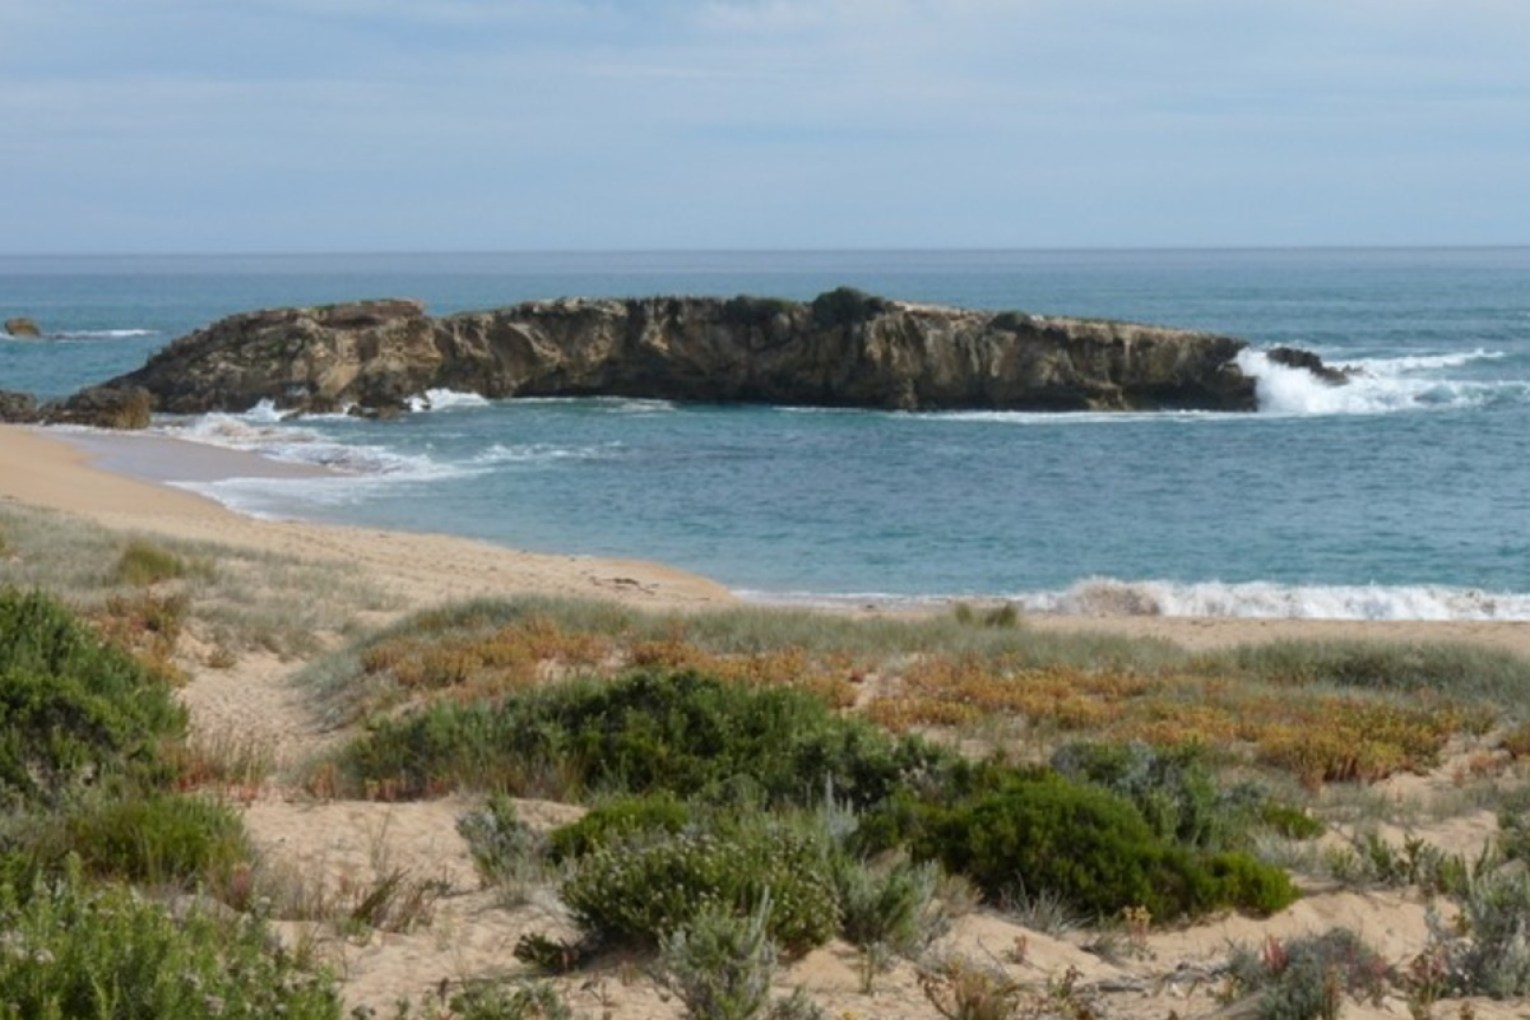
x=549, y=125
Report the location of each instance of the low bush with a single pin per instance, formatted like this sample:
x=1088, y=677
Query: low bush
x=73, y=950
x=1092, y=849
x=758, y=312
x=1487, y=950
x=77, y=710
x=890, y=906
x=720, y=965
x=154, y=838
x=143, y=564
x=681, y=732
x=1308, y=978
x=642, y=892
x=1290, y=822
x=1173, y=788
x=493, y=1001
x=501, y=845
x=619, y=820
x=846, y=306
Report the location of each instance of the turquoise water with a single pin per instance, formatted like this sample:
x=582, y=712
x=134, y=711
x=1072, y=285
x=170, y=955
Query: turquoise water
x=1406, y=494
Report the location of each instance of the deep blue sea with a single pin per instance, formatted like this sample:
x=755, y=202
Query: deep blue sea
x=1403, y=495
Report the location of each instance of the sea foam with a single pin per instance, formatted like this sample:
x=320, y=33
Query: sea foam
x=1376, y=386
x=262, y=430
x=1258, y=600
x=1110, y=597
x=445, y=400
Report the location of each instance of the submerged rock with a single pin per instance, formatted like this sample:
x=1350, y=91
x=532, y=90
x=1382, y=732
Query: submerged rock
x=843, y=349
x=1293, y=357
x=22, y=327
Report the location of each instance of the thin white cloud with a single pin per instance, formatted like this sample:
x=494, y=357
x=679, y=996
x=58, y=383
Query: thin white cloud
x=646, y=123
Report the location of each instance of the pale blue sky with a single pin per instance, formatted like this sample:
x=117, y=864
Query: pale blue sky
x=459, y=125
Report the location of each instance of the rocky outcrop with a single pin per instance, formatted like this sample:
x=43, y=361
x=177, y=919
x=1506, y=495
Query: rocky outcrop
x=22, y=327
x=1293, y=357
x=843, y=349
x=110, y=406
x=17, y=408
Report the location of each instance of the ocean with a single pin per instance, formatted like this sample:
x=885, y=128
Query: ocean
x=1405, y=495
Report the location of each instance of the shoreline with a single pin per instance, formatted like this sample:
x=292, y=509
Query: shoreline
x=44, y=470
x=125, y=483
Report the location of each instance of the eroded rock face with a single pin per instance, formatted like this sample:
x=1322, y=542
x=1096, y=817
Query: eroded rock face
x=843, y=349
x=17, y=408
x=22, y=327
x=109, y=406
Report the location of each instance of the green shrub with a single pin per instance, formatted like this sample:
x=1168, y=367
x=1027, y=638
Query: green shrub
x=891, y=906
x=1487, y=951
x=1247, y=883
x=1514, y=836
x=683, y=732
x=1092, y=849
x=846, y=306
x=500, y=843
x=721, y=964
x=143, y=564
x=642, y=892
x=755, y=311
x=525, y=1000
x=1001, y=617
x=73, y=708
x=1307, y=978
x=1291, y=822
x=154, y=838
x=1173, y=788
x=619, y=820
x=72, y=950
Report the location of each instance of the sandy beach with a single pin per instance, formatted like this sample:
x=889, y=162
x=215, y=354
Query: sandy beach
x=67, y=472
x=119, y=482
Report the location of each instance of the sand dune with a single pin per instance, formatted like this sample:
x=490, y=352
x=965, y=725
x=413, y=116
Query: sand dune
x=329, y=847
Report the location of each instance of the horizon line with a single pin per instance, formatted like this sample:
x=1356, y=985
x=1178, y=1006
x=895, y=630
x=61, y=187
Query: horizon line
x=895, y=250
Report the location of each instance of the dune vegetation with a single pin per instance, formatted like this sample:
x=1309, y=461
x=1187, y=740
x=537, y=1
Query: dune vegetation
x=748, y=785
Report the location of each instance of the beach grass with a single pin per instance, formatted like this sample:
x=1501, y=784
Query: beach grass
x=234, y=598
x=899, y=750
x=1325, y=713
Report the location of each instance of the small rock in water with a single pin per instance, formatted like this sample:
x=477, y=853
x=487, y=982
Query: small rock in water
x=22, y=327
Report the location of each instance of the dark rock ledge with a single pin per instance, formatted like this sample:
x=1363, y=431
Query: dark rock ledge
x=843, y=349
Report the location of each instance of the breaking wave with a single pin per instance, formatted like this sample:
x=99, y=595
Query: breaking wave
x=1265, y=600
x=445, y=400
x=1379, y=385
x=262, y=430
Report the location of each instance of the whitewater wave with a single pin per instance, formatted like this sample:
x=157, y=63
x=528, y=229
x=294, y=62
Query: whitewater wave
x=85, y=334
x=264, y=431
x=102, y=334
x=609, y=405
x=1421, y=362
x=544, y=453
x=1265, y=600
x=1057, y=417
x=445, y=400
x=1109, y=597
x=1377, y=386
